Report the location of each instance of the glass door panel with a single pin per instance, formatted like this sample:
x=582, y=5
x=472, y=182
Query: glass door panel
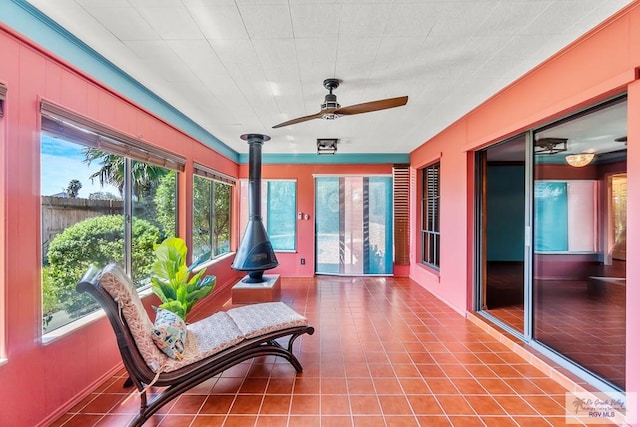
x=502, y=226
x=579, y=272
x=351, y=235
x=328, y=242
x=353, y=225
x=378, y=225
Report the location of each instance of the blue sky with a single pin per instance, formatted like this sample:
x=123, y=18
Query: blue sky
x=63, y=161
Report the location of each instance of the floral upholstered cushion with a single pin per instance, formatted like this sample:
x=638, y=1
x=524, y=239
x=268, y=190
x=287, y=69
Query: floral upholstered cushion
x=122, y=290
x=169, y=333
x=258, y=319
x=223, y=330
x=205, y=337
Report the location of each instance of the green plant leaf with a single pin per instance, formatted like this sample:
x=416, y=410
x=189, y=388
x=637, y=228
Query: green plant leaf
x=172, y=280
x=163, y=289
x=176, y=307
x=199, y=294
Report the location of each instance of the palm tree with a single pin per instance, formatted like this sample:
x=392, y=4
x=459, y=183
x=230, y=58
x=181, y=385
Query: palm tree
x=73, y=188
x=145, y=176
x=146, y=180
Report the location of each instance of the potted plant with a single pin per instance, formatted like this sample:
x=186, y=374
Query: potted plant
x=177, y=286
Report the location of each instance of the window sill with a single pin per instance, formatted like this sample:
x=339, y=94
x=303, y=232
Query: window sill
x=431, y=269
x=213, y=261
x=70, y=328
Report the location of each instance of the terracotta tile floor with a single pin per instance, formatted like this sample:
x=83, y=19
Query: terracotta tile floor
x=385, y=353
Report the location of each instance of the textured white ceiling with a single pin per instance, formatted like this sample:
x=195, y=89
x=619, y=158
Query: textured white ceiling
x=243, y=66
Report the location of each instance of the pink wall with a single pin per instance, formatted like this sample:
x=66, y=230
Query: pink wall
x=40, y=380
x=633, y=238
x=303, y=174
x=450, y=282
x=599, y=65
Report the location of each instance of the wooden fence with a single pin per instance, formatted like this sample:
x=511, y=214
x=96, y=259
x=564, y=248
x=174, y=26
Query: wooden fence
x=59, y=213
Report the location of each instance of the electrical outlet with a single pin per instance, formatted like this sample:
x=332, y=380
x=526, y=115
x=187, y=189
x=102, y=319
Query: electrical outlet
x=303, y=261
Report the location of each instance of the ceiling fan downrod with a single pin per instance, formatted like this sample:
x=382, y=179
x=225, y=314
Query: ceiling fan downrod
x=330, y=100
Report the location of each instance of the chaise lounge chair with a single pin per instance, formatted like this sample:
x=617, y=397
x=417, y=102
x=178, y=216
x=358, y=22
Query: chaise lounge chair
x=212, y=345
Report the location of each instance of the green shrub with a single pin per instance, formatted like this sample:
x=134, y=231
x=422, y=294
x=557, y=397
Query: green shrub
x=50, y=297
x=99, y=241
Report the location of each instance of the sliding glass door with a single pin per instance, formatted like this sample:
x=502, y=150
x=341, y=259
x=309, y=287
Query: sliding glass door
x=354, y=225
x=551, y=240
x=579, y=239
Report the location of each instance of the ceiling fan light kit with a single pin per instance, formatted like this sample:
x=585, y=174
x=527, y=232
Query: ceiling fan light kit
x=579, y=160
x=550, y=146
x=331, y=110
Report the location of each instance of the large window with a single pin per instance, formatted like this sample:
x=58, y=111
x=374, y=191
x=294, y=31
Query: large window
x=431, y=215
x=101, y=203
x=211, y=214
x=281, y=214
x=278, y=210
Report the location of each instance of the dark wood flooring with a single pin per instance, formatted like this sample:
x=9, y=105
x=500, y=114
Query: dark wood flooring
x=584, y=320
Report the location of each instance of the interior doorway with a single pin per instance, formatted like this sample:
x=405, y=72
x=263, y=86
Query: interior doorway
x=502, y=205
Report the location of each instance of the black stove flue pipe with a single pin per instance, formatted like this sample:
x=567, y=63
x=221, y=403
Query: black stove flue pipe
x=255, y=253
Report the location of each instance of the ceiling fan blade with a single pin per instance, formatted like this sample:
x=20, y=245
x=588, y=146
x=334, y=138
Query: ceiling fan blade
x=367, y=107
x=299, y=120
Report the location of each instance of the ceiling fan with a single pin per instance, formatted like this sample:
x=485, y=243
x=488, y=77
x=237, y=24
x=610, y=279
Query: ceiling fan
x=330, y=109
